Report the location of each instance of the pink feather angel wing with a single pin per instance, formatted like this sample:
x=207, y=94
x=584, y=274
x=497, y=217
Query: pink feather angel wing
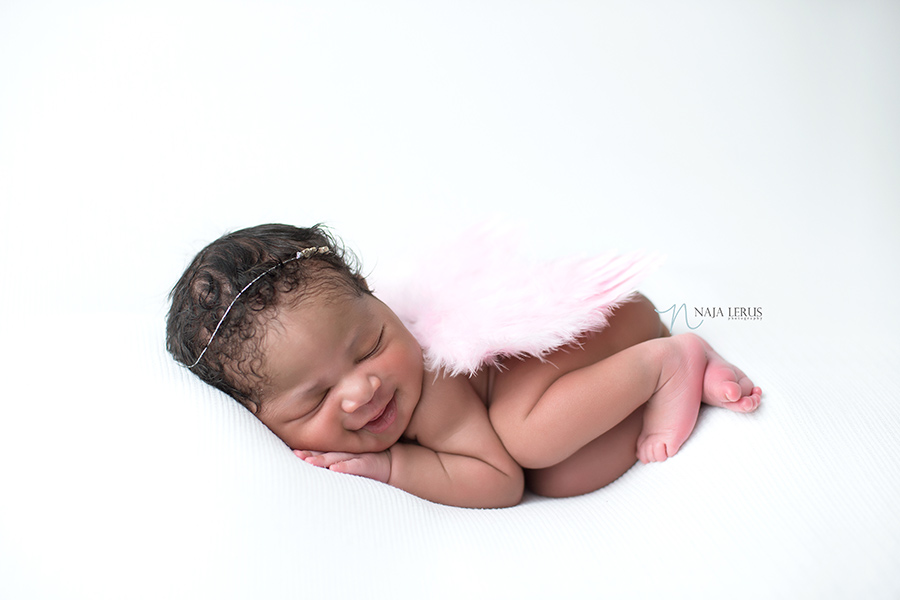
x=481, y=300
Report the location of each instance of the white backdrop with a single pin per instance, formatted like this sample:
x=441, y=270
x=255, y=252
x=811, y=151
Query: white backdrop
x=757, y=145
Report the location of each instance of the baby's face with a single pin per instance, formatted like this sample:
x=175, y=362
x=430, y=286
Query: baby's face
x=344, y=375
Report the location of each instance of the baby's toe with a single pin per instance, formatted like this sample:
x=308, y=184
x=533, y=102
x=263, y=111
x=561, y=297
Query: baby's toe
x=748, y=403
x=730, y=391
x=745, y=383
x=720, y=388
x=652, y=449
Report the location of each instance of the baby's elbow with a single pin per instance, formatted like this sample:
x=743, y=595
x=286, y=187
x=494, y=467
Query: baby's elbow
x=513, y=495
x=509, y=488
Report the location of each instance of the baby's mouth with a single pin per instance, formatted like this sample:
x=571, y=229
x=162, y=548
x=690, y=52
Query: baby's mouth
x=385, y=418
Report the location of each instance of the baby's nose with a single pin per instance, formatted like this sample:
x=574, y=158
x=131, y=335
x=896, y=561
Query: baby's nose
x=360, y=393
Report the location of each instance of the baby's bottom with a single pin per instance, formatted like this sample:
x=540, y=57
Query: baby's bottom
x=577, y=421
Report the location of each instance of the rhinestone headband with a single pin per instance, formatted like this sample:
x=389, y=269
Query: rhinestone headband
x=301, y=254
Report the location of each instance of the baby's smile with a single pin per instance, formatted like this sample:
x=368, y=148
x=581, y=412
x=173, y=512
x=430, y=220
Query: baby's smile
x=385, y=418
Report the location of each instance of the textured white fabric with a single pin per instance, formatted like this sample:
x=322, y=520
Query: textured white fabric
x=756, y=147
x=153, y=477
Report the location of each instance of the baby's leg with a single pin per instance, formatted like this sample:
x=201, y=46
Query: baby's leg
x=546, y=411
x=606, y=458
x=542, y=428
x=562, y=462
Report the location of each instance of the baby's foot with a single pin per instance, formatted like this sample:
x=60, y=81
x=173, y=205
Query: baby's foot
x=726, y=386
x=671, y=412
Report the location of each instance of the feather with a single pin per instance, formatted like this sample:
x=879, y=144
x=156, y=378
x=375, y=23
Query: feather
x=481, y=299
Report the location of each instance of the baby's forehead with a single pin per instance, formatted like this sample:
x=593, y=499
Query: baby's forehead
x=298, y=335
x=330, y=294
x=327, y=316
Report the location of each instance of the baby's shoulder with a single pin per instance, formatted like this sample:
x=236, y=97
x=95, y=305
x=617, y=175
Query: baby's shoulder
x=446, y=405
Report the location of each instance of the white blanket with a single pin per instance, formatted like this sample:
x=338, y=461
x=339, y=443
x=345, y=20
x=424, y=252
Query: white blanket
x=755, y=147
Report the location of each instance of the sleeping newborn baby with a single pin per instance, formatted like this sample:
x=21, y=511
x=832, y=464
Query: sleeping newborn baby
x=279, y=318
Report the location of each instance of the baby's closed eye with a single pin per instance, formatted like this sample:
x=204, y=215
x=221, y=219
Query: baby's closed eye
x=376, y=347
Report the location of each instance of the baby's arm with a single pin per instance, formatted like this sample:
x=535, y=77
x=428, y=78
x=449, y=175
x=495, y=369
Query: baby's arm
x=457, y=460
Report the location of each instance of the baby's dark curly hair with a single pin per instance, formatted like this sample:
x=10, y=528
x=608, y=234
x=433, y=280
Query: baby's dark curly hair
x=233, y=361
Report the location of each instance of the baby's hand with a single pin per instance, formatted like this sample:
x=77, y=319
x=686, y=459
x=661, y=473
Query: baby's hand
x=374, y=465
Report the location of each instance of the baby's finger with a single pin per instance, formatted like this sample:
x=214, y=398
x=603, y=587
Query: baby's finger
x=305, y=453
x=352, y=466
x=327, y=459
x=364, y=466
x=374, y=466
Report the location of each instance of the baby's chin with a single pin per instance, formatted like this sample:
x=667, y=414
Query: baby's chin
x=385, y=443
